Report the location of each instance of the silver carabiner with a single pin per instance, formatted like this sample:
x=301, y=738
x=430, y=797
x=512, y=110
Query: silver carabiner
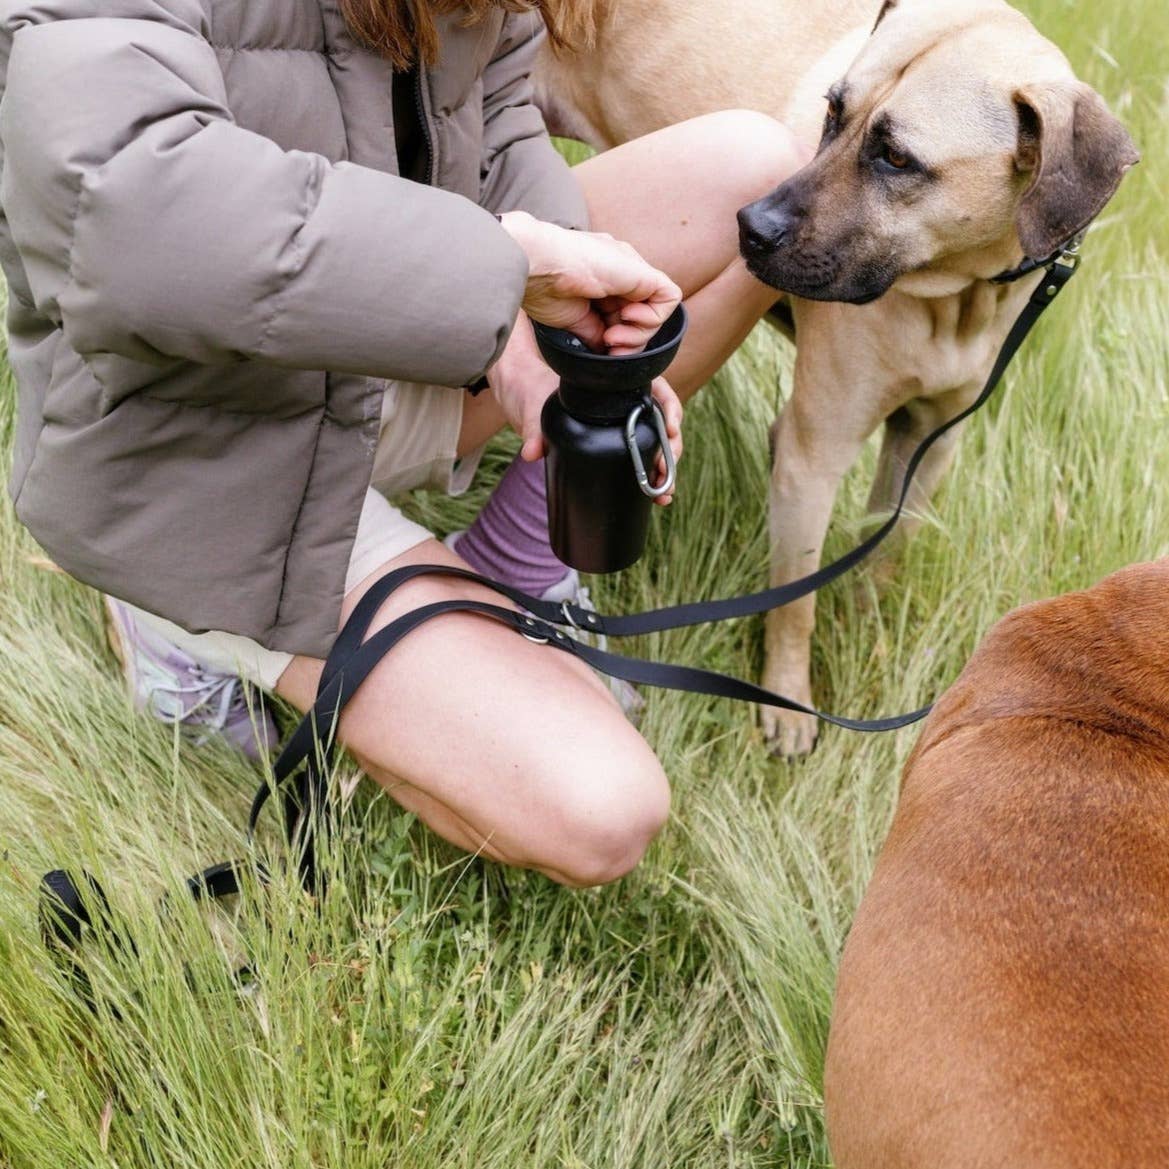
x=635, y=454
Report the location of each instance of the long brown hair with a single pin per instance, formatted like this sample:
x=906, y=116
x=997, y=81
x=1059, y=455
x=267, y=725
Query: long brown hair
x=404, y=31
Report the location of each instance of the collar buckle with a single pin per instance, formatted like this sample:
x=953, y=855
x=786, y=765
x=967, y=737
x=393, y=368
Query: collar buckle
x=1069, y=255
x=1066, y=258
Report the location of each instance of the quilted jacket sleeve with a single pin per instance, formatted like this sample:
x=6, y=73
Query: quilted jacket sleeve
x=152, y=226
x=522, y=170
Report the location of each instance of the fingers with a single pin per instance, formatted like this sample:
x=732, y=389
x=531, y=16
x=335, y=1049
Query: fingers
x=534, y=447
x=653, y=293
x=671, y=407
x=629, y=327
x=638, y=313
x=588, y=325
x=598, y=287
x=623, y=340
x=672, y=411
x=634, y=280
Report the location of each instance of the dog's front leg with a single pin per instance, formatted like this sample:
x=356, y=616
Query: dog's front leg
x=815, y=440
x=804, y=479
x=843, y=388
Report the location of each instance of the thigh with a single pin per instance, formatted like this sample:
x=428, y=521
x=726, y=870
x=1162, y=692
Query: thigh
x=674, y=193
x=502, y=745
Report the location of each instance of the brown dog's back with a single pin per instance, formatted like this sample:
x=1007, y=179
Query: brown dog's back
x=1003, y=999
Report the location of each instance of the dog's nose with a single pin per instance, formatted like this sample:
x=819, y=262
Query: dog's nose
x=761, y=231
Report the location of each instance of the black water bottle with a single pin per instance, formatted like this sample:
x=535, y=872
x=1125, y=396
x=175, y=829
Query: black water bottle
x=604, y=433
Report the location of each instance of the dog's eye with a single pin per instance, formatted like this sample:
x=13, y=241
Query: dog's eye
x=834, y=114
x=891, y=159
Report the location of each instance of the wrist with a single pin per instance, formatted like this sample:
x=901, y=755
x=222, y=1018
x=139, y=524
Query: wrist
x=520, y=338
x=518, y=224
x=533, y=237
x=497, y=374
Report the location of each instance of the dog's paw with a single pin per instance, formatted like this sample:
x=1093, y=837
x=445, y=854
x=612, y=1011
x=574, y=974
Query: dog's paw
x=787, y=733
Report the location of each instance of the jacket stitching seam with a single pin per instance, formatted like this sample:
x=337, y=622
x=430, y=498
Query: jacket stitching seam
x=279, y=615
x=278, y=618
x=253, y=415
x=324, y=51
x=71, y=282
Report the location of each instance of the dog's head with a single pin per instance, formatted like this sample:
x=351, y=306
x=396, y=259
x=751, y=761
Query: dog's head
x=958, y=141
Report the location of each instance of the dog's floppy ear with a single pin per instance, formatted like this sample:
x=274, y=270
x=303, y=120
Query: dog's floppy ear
x=1076, y=152
x=884, y=9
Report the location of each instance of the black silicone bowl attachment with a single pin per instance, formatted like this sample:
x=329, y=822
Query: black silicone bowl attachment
x=604, y=373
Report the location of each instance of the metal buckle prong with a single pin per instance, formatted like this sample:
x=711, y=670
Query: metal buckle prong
x=534, y=638
x=1069, y=255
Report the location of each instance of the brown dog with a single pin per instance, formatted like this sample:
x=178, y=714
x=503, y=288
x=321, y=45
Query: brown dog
x=956, y=142
x=1003, y=999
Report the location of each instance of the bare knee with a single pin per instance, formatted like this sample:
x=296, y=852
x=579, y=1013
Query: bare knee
x=754, y=152
x=582, y=815
x=604, y=821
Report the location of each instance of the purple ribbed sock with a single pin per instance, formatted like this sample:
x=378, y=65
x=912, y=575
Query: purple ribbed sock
x=509, y=539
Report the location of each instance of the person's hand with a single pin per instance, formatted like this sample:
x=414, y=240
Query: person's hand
x=591, y=284
x=522, y=382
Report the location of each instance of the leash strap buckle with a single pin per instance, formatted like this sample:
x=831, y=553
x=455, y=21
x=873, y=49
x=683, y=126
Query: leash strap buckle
x=1059, y=270
x=534, y=631
x=1069, y=254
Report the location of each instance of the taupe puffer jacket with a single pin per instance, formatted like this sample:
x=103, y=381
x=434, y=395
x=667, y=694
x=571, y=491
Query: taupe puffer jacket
x=201, y=216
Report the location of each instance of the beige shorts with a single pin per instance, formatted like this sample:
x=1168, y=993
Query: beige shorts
x=417, y=447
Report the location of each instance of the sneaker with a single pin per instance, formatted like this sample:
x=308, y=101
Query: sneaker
x=569, y=588
x=167, y=683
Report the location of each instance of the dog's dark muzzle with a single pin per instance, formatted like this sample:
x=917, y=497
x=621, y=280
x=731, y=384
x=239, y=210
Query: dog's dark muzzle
x=772, y=241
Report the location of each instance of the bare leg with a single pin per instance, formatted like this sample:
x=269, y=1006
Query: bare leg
x=501, y=746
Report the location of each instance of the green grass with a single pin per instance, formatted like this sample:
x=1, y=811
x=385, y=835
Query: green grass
x=435, y=1011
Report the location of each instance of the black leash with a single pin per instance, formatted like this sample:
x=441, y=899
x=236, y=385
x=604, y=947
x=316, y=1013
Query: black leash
x=306, y=759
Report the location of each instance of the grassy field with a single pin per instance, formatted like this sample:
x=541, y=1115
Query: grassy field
x=435, y=1011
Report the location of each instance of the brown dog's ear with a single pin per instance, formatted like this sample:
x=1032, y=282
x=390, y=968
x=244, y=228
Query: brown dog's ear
x=881, y=15
x=1077, y=153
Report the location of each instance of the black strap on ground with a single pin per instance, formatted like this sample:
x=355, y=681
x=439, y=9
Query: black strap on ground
x=68, y=907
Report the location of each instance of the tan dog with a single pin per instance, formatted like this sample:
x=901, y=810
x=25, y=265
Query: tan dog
x=1003, y=999
x=957, y=141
